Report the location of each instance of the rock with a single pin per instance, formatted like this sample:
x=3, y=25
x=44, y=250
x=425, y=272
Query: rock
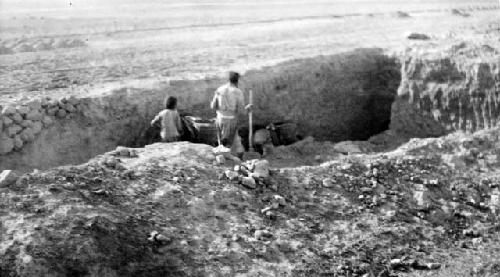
x=13, y=130
x=17, y=118
x=122, y=151
x=433, y=266
x=69, y=108
x=8, y=178
x=8, y=110
x=26, y=123
x=7, y=121
x=231, y=175
x=37, y=127
x=23, y=110
x=73, y=100
x=262, y=235
x=27, y=135
x=220, y=160
x=47, y=121
x=328, y=183
x=35, y=104
x=34, y=115
x=133, y=153
x=156, y=237
x=261, y=169
x=417, y=36
x=61, y=113
x=347, y=147
x=52, y=111
x=18, y=142
x=279, y=199
x=248, y=182
x=318, y=158
x=6, y=144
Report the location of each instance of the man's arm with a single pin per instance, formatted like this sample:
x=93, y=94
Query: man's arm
x=178, y=123
x=156, y=120
x=214, y=104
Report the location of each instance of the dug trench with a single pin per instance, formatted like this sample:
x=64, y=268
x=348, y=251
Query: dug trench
x=429, y=208
x=340, y=97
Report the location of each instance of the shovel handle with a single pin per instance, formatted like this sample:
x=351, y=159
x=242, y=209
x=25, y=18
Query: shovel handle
x=250, y=123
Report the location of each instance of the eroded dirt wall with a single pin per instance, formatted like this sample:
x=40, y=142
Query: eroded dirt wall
x=341, y=97
x=448, y=91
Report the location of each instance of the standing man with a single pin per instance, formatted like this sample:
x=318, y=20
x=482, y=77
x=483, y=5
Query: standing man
x=229, y=102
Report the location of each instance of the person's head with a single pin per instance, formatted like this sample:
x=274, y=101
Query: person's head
x=234, y=77
x=171, y=103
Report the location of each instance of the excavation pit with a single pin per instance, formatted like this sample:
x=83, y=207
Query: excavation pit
x=340, y=97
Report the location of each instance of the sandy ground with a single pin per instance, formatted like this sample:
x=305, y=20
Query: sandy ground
x=172, y=41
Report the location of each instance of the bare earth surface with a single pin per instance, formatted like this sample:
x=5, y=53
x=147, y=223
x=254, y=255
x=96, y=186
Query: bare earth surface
x=89, y=45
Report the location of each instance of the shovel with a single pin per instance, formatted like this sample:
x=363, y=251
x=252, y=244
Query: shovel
x=251, y=154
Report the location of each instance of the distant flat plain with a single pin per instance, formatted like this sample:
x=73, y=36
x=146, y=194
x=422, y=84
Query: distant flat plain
x=139, y=40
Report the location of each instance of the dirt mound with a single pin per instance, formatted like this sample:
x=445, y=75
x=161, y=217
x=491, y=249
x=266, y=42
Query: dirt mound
x=163, y=210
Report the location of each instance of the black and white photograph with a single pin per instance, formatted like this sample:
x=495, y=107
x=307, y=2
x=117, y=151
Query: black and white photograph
x=249, y=138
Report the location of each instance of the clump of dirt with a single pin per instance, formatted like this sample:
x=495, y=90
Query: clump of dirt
x=163, y=210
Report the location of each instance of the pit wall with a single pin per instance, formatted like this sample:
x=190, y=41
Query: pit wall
x=340, y=97
x=446, y=92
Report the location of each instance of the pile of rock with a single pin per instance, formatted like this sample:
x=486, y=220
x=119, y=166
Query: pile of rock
x=20, y=124
x=250, y=173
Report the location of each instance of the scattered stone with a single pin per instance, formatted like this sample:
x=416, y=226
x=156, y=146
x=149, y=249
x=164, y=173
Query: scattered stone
x=47, y=121
x=23, y=110
x=220, y=160
x=417, y=36
x=122, y=151
x=26, y=123
x=17, y=118
x=262, y=235
x=8, y=178
x=69, y=108
x=8, y=110
x=133, y=153
x=61, y=113
x=328, y=183
x=27, y=135
x=279, y=199
x=6, y=144
x=52, y=111
x=35, y=104
x=231, y=175
x=261, y=169
x=73, y=100
x=37, y=127
x=34, y=115
x=318, y=158
x=13, y=130
x=248, y=182
x=158, y=238
x=7, y=121
x=18, y=142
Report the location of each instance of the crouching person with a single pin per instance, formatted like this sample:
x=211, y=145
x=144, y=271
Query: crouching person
x=169, y=121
